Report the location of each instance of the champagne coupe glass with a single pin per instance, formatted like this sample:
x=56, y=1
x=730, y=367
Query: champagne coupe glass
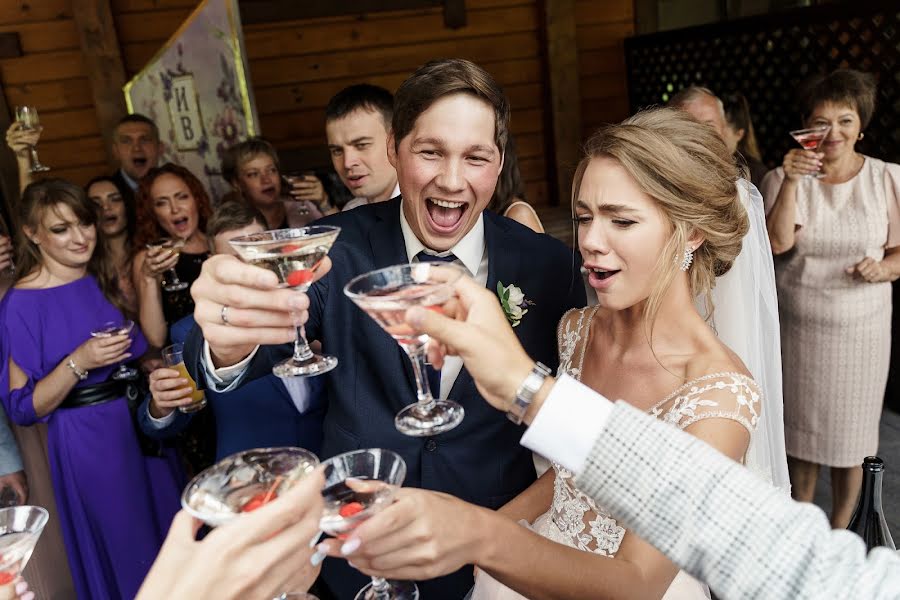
x=109, y=329
x=20, y=528
x=811, y=138
x=27, y=116
x=358, y=485
x=173, y=357
x=385, y=295
x=172, y=283
x=245, y=481
x=294, y=255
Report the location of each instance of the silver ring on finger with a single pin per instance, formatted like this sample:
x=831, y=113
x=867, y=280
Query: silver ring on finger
x=224, y=314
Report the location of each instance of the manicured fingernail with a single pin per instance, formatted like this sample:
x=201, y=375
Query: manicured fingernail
x=315, y=539
x=21, y=587
x=350, y=546
x=316, y=559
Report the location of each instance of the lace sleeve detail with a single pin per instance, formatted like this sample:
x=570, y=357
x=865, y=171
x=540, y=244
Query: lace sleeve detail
x=568, y=335
x=722, y=395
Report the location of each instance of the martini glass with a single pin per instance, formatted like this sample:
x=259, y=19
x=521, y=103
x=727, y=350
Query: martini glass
x=20, y=528
x=294, y=255
x=28, y=118
x=110, y=329
x=172, y=283
x=358, y=485
x=811, y=138
x=385, y=295
x=245, y=481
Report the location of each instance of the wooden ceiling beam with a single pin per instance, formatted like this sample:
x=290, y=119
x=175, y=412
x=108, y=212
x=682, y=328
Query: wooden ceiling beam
x=103, y=61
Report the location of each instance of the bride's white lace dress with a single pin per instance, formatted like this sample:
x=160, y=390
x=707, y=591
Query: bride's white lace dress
x=574, y=519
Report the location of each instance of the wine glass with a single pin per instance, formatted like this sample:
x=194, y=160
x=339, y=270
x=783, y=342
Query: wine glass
x=287, y=183
x=385, y=295
x=110, y=329
x=27, y=116
x=20, y=528
x=172, y=283
x=358, y=485
x=245, y=481
x=173, y=357
x=294, y=255
x=811, y=138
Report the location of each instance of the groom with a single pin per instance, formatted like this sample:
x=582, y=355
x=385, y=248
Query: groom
x=449, y=127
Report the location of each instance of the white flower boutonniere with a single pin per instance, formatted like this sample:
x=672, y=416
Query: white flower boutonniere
x=513, y=302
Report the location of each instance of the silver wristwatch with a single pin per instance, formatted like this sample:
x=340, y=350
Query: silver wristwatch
x=526, y=392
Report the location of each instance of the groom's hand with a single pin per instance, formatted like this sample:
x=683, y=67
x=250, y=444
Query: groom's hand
x=476, y=330
x=258, y=311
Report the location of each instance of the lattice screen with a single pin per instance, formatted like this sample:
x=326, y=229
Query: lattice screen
x=766, y=57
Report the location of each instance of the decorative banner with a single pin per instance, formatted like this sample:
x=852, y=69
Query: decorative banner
x=197, y=91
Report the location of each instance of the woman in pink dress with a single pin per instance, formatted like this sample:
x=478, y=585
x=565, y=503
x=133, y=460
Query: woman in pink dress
x=837, y=241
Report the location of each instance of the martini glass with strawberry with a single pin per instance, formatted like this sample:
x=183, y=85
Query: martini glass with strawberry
x=294, y=255
x=20, y=528
x=358, y=485
x=245, y=481
x=385, y=295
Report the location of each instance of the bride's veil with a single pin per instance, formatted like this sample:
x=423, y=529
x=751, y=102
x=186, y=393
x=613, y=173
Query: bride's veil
x=745, y=318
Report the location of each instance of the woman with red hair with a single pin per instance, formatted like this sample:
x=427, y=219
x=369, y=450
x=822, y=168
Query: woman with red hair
x=171, y=203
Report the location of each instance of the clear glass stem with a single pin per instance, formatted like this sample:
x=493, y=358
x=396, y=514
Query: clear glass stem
x=174, y=277
x=34, y=156
x=302, y=353
x=381, y=589
x=423, y=390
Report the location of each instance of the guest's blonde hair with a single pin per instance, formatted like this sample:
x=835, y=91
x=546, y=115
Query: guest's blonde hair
x=686, y=168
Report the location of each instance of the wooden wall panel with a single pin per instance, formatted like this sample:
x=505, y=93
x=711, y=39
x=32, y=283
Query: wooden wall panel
x=51, y=76
x=602, y=29
x=295, y=67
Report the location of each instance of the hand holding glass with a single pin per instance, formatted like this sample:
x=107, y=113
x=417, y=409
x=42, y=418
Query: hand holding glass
x=27, y=116
x=173, y=356
x=114, y=328
x=294, y=255
x=358, y=485
x=172, y=283
x=811, y=138
x=385, y=295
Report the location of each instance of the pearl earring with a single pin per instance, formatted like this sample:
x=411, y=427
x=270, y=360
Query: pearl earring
x=688, y=259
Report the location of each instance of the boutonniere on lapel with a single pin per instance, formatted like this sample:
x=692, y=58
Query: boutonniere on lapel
x=513, y=302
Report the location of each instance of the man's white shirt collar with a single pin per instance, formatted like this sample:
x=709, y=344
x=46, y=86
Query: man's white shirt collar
x=131, y=182
x=468, y=250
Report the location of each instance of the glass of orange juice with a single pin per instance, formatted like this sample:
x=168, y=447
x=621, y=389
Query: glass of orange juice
x=173, y=356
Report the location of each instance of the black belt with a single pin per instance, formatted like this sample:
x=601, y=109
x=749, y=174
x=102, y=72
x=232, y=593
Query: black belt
x=99, y=393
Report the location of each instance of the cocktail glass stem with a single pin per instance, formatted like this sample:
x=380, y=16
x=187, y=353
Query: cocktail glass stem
x=423, y=389
x=302, y=353
x=36, y=166
x=381, y=589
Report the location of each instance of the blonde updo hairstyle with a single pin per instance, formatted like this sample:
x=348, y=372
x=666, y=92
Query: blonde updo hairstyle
x=686, y=168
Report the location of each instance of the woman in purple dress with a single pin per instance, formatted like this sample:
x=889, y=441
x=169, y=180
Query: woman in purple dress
x=114, y=503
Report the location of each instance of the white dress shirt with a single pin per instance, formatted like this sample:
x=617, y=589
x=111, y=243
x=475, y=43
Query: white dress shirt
x=362, y=201
x=470, y=251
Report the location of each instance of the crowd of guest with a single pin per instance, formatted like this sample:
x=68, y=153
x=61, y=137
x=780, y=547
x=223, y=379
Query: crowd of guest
x=432, y=174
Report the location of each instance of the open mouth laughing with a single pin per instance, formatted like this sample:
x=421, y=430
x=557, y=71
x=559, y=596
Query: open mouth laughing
x=445, y=216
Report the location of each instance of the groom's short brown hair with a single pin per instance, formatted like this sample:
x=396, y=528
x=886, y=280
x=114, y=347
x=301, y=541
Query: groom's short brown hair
x=438, y=78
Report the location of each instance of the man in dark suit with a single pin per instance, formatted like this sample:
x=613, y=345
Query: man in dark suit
x=136, y=146
x=448, y=130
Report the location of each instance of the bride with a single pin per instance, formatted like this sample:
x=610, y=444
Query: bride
x=658, y=215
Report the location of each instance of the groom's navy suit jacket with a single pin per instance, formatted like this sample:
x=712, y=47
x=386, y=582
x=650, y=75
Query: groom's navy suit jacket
x=480, y=461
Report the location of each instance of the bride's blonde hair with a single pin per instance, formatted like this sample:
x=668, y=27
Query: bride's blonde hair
x=687, y=169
